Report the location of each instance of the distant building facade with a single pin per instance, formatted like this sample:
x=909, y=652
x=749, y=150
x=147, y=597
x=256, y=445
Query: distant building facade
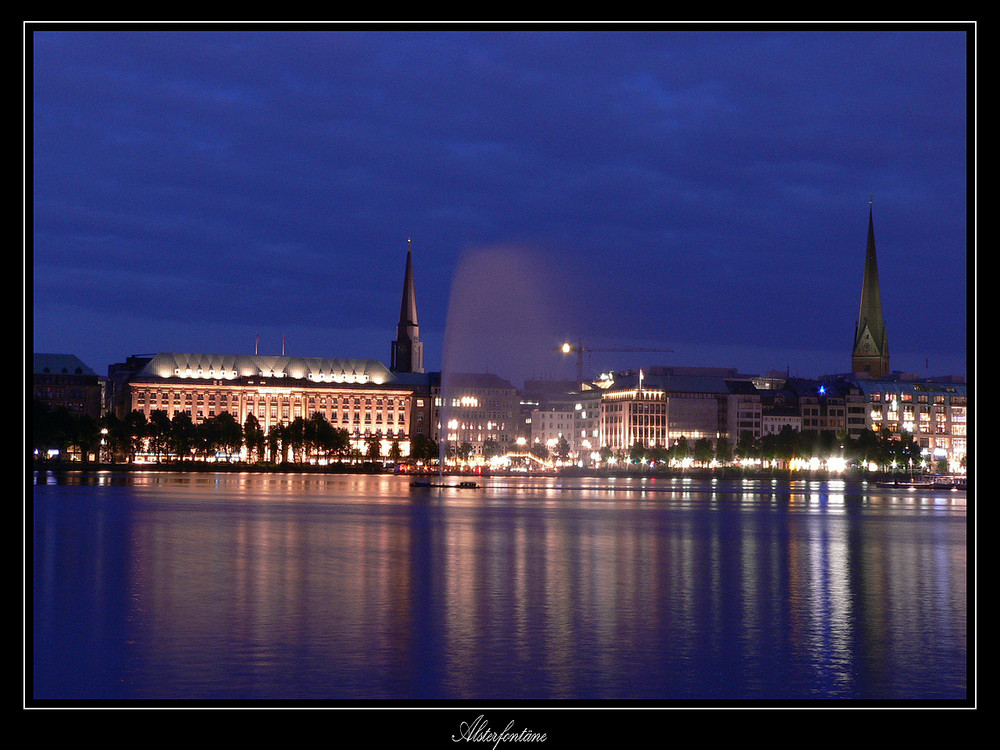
x=587, y=438
x=834, y=405
x=775, y=419
x=563, y=411
x=935, y=413
x=550, y=426
x=64, y=381
x=118, y=398
x=478, y=409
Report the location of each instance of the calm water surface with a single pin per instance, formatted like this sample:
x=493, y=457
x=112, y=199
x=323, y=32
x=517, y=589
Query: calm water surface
x=286, y=586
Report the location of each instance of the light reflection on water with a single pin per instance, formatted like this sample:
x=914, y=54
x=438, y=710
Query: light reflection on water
x=295, y=586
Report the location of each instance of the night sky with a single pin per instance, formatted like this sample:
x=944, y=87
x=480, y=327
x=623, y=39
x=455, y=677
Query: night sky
x=702, y=190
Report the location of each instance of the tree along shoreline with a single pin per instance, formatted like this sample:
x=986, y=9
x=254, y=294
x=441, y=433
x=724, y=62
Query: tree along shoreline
x=316, y=445
x=257, y=467
x=57, y=466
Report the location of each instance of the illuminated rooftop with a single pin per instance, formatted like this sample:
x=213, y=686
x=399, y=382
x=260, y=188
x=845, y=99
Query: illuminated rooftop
x=233, y=366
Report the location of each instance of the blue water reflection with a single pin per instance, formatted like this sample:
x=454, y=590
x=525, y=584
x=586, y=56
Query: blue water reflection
x=287, y=586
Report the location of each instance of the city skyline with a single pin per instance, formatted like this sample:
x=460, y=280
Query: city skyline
x=223, y=190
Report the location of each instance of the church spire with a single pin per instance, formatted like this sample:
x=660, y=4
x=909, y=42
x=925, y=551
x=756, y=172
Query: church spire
x=407, y=349
x=871, y=344
x=408, y=308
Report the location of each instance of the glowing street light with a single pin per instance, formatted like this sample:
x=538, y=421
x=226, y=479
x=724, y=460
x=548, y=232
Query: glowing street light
x=568, y=348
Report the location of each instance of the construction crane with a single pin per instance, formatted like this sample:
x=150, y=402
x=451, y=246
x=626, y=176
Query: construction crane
x=568, y=348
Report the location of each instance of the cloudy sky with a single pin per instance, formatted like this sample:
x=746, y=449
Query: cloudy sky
x=703, y=191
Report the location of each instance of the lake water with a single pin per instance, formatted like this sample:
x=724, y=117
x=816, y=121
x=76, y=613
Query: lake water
x=199, y=586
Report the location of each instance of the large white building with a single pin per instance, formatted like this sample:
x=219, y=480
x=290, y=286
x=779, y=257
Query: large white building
x=360, y=396
x=634, y=412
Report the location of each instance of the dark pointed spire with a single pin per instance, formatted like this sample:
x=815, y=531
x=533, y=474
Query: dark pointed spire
x=871, y=343
x=407, y=349
x=408, y=307
x=871, y=299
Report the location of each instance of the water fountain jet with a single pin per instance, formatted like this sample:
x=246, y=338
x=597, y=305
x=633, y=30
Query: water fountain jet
x=504, y=314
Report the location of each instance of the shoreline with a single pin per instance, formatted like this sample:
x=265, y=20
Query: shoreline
x=63, y=467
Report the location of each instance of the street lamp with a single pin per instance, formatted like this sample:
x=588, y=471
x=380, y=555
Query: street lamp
x=568, y=348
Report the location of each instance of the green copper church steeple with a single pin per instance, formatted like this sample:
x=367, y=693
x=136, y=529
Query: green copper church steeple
x=871, y=344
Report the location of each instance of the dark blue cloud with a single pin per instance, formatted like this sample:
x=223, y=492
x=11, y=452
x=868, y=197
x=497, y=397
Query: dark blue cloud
x=701, y=191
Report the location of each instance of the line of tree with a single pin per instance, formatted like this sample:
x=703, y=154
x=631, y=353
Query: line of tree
x=180, y=438
x=303, y=440
x=62, y=431
x=882, y=448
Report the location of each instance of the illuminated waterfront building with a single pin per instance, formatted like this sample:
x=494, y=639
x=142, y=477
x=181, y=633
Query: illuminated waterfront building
x=776, y=418
x=551, y=426
x=693, y=403
x=357, y=395
x=935, y=413
x=586, y=440
x=562, y=411
x=632, y=413
x=830, y=405
x=478, y=409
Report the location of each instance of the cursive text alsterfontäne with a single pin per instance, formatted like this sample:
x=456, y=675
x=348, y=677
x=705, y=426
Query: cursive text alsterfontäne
x=479, y=731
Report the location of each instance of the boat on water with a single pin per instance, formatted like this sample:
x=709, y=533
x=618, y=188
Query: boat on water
x=941, y=482
x=460, y=485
